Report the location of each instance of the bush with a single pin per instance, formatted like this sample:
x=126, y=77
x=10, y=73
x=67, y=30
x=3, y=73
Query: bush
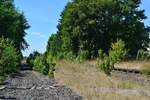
x=60, y=56
x=106, y=65
x=143, y=55
x=116, y=53
x=51, y=63
x=69, y=56
x=38, y=64
x=45, y=69
x=44, y=65
x=9, y=57
x=31, y=58
x=100, y=54
x=82, y=56
x=51, y=70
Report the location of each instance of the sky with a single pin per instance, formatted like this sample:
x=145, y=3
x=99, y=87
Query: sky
x=43, y=17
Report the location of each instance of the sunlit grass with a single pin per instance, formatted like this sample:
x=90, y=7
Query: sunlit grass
x=88, y=81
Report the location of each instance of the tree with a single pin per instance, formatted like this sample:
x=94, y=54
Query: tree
x=31, y=57
x=54, y=44
x=9, y=57
x=94, y=24
x=117, y=52
x=13, y=24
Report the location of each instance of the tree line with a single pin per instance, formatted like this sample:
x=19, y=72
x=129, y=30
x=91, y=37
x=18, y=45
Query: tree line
x=90, y=25
x=106, y=30
x=12, y=32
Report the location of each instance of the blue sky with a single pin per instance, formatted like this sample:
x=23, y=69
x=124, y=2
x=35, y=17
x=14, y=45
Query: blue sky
x=43, y=16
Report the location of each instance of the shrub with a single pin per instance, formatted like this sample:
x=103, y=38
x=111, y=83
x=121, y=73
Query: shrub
x=9, y=57
x=100, y=54
x=143, y=55
x=69, y=56
x=51, y=64
x=116, y=53
x=31, y=58
x=60, y=56
x=38, y=64
x=44, y=65
x=100, y=57
x=82, y=56
x=51, y=70
x=106, y=65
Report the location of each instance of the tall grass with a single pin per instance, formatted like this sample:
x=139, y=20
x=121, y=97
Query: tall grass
x=92, y=84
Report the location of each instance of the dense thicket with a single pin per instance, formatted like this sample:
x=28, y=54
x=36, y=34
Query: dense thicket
x=117, y=52
x=9, y=57
x=90, y=25
x=12, y=32
x=54, y=45
x=31, y=57
x=42, y=63
x=13, y=24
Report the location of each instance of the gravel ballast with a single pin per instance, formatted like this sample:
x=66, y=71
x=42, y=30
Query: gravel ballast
x=30, y=85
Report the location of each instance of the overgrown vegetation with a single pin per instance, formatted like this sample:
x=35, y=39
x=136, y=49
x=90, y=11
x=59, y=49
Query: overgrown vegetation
x=9, y=57
x=90, y=25
x=12, y=32
x=87, y=29
x=116, y=53
x=42, y=63
x=31, y=57
x=13, y=24
x=143, y=55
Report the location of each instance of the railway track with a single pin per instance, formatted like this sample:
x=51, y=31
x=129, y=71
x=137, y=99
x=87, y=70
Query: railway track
x=128, y=70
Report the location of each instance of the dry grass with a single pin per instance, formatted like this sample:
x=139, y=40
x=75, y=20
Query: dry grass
x=132, y=64
x=94, y=85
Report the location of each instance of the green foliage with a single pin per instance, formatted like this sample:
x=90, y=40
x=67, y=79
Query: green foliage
x=13, y=24
x=51, y=73
x=38, y=64
x=69, y=56
x=9, y=57
x=100, y=54
x=60, y=56
x=51, y=65
x=82, y=56
x=45, y=69
x=143, y=55
x=117, y=51
x=93, y=24
x=106, y=65
x=54, y=45
x=31, y=57
x=44, y=64
x=116, y=54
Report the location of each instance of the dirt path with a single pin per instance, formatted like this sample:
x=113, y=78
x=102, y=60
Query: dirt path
x=30, y=85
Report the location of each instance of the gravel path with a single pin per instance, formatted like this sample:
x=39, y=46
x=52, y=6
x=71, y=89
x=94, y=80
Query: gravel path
x=30, y=85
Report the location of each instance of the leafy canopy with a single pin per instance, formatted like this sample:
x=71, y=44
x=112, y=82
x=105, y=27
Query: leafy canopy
x=90, y=25
x=13, y=24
